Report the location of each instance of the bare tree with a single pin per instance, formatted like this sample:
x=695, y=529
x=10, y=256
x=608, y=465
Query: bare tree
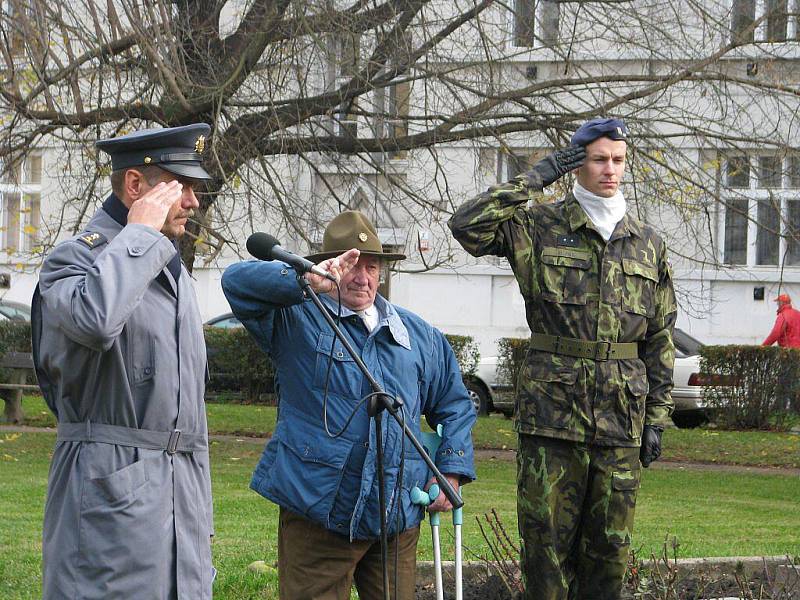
x=390, y=106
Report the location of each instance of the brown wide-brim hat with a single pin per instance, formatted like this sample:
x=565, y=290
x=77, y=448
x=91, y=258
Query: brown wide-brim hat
x=351, y=229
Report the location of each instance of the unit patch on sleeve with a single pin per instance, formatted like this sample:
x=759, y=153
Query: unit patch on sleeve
x=92, y=240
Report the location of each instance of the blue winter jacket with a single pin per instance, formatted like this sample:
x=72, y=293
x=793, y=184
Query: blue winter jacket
x=333, y=481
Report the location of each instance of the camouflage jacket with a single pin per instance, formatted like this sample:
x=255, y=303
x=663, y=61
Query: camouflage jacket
x=577, y=285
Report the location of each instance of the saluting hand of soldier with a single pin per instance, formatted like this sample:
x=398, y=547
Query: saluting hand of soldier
x=337, y=266
x=153, y=207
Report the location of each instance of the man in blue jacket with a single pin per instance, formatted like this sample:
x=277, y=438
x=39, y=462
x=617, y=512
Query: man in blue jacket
x=320, y=468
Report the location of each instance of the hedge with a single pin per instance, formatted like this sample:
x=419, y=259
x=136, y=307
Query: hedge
x=15, y=336
x=510, y=359
x=751, y=387
x=235, y=362
x=466, y=351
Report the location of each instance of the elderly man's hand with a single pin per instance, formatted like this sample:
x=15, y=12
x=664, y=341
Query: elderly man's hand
x=337, y=266
x=441, y=503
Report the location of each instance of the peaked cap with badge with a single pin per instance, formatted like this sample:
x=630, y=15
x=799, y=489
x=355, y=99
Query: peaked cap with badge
x=593, y=129
x=351, y=229
x=178, y=150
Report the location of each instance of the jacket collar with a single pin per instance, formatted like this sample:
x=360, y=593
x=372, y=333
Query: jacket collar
x=116, y=209
x=577, y=218
x=387, y=315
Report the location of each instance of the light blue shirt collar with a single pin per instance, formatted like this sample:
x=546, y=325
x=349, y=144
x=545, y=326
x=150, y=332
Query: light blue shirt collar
x=387, y=315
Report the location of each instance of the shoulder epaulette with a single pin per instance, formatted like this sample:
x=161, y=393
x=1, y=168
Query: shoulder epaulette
x=92, y=239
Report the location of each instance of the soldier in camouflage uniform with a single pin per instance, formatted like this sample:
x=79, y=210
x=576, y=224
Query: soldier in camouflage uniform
x=594, y=393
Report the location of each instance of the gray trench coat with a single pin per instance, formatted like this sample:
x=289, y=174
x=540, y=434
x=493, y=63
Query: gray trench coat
x=121, y=360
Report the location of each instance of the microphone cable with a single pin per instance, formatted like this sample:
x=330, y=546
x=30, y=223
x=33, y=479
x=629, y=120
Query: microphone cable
x=398, y=486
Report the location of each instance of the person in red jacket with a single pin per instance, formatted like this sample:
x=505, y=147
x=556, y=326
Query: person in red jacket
x=787, y=326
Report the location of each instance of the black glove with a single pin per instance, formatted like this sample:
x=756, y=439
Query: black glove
x=651, y=444
x=554, y=166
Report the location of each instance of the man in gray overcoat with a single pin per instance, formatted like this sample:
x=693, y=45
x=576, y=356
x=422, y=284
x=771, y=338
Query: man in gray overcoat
x=121, y=360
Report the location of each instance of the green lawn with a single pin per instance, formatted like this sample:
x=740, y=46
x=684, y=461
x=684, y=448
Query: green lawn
x=751, y=448
x=712, y=514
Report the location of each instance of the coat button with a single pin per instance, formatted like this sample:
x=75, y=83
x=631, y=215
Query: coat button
x=340, y=355
x=284, y=271
x=147, y=370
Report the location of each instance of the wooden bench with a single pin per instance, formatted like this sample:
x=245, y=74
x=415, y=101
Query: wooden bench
x=20, y=364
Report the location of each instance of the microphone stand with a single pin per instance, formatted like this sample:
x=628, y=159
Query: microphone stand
x=375, y=406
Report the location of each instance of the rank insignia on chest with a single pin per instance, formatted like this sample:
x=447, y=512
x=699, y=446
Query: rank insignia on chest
x=568, y=240
x=92, y=240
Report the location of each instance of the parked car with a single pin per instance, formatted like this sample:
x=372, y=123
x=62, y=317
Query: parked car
x=14, y=311
x=489, y=395
x=226, y=321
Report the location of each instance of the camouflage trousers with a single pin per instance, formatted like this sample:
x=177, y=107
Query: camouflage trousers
x=575, y=507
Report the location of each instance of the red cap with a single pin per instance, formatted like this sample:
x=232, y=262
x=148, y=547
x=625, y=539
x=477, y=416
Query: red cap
x=783, y=299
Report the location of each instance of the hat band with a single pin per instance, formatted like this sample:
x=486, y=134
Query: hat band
x=138, y=159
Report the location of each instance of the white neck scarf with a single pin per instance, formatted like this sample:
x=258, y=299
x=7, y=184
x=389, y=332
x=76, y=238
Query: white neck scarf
x=605, y=213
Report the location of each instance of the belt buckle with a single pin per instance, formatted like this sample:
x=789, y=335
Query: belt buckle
x=172, y=444
x=603, y=354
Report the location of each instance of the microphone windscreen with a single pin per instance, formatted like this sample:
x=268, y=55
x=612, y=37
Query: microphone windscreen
x=260, y=245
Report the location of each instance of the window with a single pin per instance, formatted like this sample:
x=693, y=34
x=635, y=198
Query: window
x=736, y=232
x=20, y=204
x=392, y=108
x=742, y=18
x=778, y=21
x=762, y=212
x=11, y=21
x=793, y=233
x=343, y=63
x=737, y=171
x=516, y=161
x=536, y=22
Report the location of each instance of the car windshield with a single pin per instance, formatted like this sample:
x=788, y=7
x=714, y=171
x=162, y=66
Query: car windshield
x=685, y=344
x=225, y=321
x=15, y=312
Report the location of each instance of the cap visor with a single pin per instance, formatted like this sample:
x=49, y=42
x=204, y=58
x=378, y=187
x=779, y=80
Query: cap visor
x=191, y=171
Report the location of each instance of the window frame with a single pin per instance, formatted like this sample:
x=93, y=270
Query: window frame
x=756, y=195
x=540, y=35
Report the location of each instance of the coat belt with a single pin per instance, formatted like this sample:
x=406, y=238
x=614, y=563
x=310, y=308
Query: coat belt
x=169, y=441
x=584, y=348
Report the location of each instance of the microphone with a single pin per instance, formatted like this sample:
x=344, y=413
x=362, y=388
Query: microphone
x=265, y=247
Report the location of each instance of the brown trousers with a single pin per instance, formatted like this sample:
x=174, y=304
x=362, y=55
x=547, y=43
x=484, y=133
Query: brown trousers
x=317, y=564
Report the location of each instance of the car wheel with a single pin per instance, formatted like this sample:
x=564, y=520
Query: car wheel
x=479, y=397
x=689, y=419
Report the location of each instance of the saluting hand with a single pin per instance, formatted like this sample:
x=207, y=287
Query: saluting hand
x=337, y=266
x=554, y=166
x=153, y=207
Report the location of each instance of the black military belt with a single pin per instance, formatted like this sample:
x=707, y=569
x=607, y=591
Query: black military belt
x=584, y=348
x=169, y=441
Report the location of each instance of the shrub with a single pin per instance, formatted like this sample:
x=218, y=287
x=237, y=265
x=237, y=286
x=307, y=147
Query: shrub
x=236, y=363
x=15, y=336
x=466, y=351
x=510, y=359
x=760, y=385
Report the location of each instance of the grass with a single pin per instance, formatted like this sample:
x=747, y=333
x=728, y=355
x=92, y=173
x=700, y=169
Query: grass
x=711, y=513
x=748, y=448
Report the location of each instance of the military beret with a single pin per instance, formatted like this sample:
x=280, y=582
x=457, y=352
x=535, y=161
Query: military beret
x=596, y=128
x=178, y=150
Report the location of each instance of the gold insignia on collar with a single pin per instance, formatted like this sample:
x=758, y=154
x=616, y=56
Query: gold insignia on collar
x=362, y=236
x=200, y=144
